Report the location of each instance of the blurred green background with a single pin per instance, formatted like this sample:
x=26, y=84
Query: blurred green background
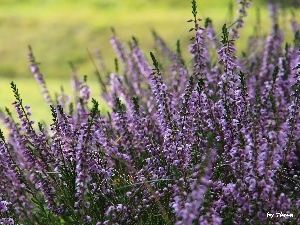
x=61, y=31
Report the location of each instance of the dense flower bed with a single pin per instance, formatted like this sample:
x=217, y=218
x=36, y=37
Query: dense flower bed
x=215, y=142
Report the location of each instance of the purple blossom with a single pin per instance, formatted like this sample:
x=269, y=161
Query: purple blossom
x=211, y=143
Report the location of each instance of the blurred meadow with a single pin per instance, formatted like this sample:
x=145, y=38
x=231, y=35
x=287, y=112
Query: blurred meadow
x=63, y=31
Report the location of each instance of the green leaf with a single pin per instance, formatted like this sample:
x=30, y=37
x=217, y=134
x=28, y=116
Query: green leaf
x=225, y=35
x=155, y=63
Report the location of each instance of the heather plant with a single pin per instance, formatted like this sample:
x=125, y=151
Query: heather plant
x=211, y=141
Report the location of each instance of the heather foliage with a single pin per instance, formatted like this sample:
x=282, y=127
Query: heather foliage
x=214, y=141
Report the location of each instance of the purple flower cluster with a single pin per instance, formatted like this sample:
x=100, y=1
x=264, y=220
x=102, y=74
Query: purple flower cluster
x=216, y=141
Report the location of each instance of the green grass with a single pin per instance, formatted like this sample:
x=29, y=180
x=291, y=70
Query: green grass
x=31, y=94
x=61, y=31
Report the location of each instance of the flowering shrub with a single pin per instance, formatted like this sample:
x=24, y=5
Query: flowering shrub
x=217, y=142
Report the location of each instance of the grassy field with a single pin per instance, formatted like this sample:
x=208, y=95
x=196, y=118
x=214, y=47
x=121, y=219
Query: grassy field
x=31, y=95
x=61, y=31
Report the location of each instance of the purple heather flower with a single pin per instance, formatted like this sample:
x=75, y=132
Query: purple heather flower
x=39, y=77
x=119, y=49
x=141, y=61
x=7, y=221
x=191, y=142
x=243, y=5
x=3, y=206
